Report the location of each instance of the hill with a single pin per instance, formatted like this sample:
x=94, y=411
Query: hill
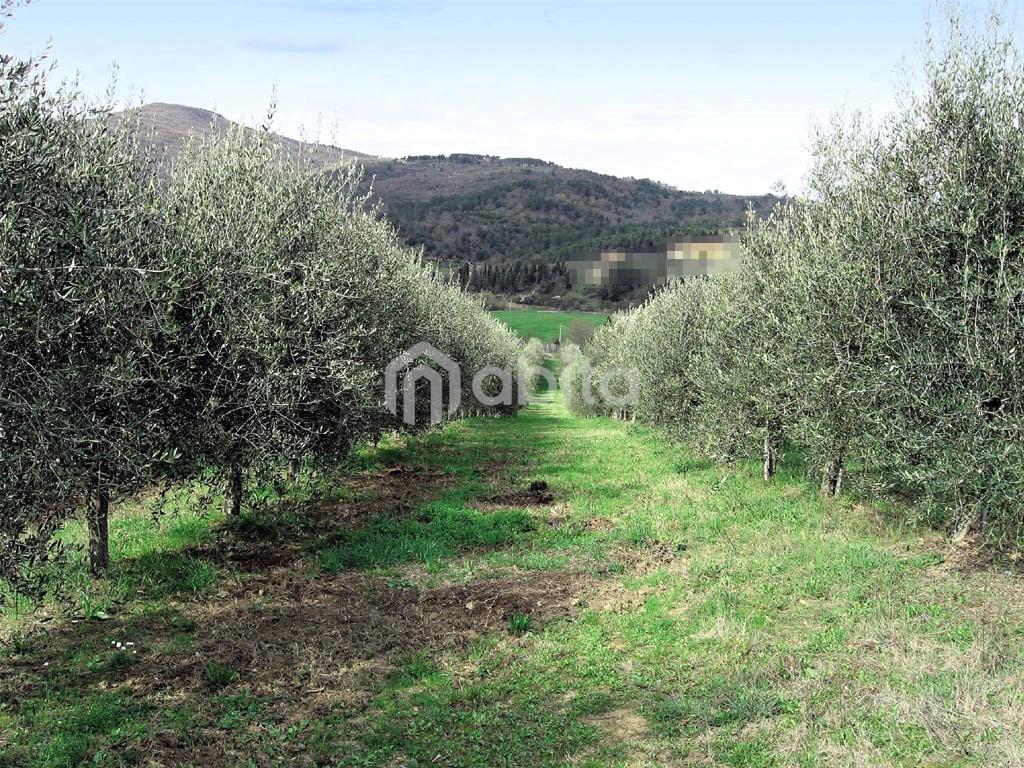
x=481, y=207
x=473, y=208
x=168, y=126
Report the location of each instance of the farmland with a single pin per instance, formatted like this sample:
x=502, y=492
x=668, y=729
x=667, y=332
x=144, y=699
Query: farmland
x=544, y=324
x=646, y=608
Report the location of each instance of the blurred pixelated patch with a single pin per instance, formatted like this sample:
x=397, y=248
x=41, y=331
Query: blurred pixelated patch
x=678, y=258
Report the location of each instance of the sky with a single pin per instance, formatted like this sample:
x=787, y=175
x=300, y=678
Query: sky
x=699, y=95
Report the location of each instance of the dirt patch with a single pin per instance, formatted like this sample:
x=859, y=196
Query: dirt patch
x=612, y=596
x=311, y=647
x=629, y=732
x=303, y=646
x=494, y=467
x=972, y=553
x=537, y=494
x=642, y=559
x=227, y=550
x=622, y=726
x=559, y=516
x=599, y=525
x=355, y=616
x=395, y=492
x=290, y=634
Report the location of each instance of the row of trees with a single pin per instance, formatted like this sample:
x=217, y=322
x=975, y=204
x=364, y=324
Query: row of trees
x=515, y=276
x=878, y=327
x=232, y=313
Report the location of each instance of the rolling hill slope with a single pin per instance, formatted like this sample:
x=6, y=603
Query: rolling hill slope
x=472, y=208
x=478, y=207
x=168, y=126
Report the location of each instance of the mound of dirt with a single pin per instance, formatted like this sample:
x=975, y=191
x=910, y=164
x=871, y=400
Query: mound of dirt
x=537, y=494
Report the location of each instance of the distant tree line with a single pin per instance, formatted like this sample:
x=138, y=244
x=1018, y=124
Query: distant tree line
x=877, y=330
x=465, y=158
x=508, y=277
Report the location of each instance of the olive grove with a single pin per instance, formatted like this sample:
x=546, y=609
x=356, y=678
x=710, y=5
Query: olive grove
x=877, y=328
x=229, y=315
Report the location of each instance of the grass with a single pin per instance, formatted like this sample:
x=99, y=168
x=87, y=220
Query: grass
x=660, y=611
x=438, y=532
x=545, y=324
x=219, y=675
x=520, y=624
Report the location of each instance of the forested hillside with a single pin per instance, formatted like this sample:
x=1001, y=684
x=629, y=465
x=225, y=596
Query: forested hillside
x=479, y=207
x=474, y=208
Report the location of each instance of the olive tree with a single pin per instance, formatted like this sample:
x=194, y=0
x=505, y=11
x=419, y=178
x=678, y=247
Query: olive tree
x=233, y=312
x=945, y=200
x=877, y=322
x=909, y=285
x=745, y=404
x=531, y=358
x=83, y=401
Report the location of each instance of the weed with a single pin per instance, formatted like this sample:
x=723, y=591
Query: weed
x=520, y=624
x=219, y=675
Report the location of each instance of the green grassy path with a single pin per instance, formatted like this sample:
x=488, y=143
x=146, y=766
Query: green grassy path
x=654, y=610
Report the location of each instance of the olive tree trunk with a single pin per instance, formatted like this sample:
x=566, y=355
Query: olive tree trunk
x=832, y=477
x=233, y=502
x=770, y=454
x=97, y=514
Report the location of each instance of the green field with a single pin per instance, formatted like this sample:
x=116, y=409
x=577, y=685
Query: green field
x=654, y=609
x=544, y=324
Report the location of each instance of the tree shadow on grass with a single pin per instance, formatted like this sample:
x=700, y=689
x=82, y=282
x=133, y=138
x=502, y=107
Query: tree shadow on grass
x=273, y=640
